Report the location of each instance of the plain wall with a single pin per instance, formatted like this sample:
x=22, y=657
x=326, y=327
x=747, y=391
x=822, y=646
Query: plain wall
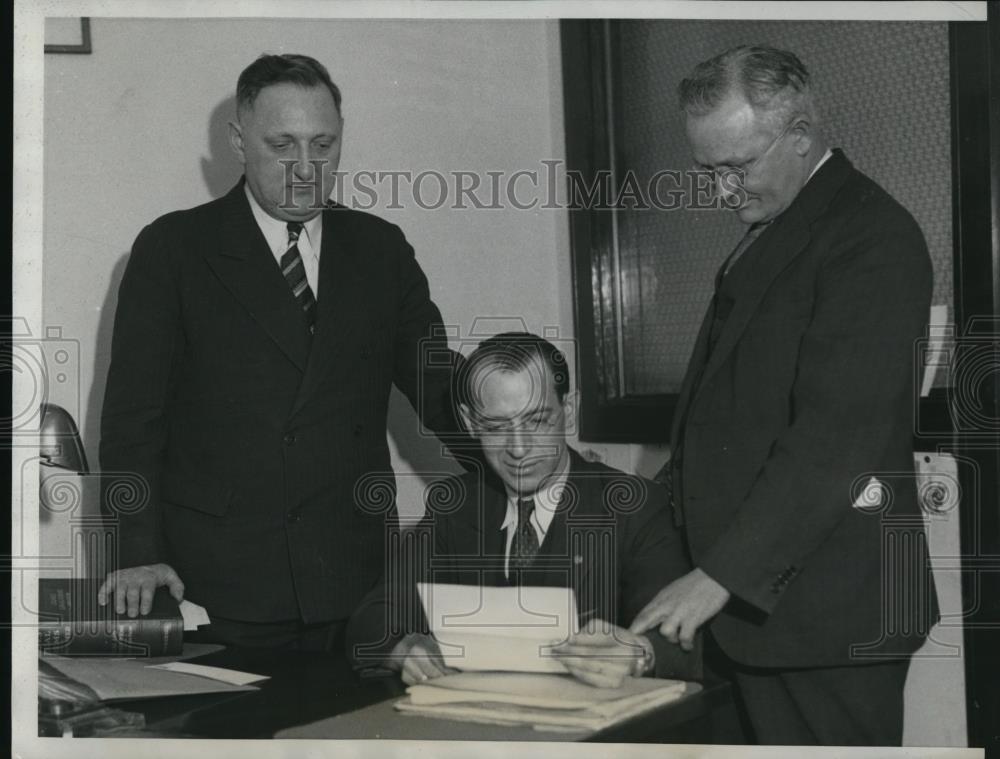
x=138, y=128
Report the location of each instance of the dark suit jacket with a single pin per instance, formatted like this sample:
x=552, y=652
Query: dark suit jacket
x=808, y=393
x=251, y=440
x=611, y=540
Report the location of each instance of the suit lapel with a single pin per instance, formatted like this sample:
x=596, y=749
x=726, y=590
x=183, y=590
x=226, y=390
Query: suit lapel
x=244, y=264
x=694, y=371
x=340, y=302
x=493, y=538
x=566, y=552
x=485, y=510
x=776, y=247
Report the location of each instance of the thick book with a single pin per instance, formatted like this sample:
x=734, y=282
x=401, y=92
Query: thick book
x=72, y=623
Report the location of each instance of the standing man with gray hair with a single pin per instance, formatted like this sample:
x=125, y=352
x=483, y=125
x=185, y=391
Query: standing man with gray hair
x=798, y=403
x=256, y=341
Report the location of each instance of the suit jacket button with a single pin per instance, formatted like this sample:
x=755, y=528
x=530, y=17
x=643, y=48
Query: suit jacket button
x=358, y=429
x=290, y=438
x=365, y=352
x=294, y=516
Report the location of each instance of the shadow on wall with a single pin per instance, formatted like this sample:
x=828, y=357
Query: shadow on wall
x=220, y=168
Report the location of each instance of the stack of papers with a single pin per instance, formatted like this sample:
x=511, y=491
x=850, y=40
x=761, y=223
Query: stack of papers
x=545, y=701
x=113, y=679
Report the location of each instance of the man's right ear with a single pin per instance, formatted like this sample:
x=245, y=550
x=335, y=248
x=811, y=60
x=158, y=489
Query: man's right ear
x=236, y=141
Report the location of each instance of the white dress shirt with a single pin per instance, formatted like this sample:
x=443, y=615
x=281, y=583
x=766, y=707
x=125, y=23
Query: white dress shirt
x=275, y=231
x=546, y=503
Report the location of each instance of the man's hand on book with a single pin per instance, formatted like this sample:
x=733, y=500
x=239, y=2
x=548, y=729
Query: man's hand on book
x=419, y=658
x=603, y=654
x=133, y=588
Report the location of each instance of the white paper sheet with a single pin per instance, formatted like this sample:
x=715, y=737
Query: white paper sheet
x=499, y=628
x=231, y=676
x=194, y=615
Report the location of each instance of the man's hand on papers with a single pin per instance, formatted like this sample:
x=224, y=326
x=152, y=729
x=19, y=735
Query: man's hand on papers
x=134, y=587
x=419, y=658
x=602, y=654
x=682, y=607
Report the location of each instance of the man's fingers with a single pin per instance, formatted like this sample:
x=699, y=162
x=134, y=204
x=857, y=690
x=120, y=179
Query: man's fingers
x=687, y=633
x=622, y=652
x=652, y=614
x=598, y=678
x=174, y=584
x=410, y=672
x=427, y=669
x=645, y=619
x=598, y=666
x=424, y=664
x=146, y=592
x=668, y=629
x=132, y=593
x=106, y=586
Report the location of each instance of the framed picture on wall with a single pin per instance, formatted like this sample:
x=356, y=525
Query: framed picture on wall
x=68, y=35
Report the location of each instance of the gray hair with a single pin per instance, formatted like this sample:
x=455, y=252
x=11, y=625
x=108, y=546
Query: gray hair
x=774, y=83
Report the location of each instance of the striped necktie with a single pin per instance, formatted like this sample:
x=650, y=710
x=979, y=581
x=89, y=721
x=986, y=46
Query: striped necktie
x=295, y=275
x=525, y=546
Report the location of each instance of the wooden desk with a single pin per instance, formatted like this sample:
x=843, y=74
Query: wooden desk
x=306, y=688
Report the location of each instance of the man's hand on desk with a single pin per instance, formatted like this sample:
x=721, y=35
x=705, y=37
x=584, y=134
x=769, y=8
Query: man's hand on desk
x=419, y=658
x=133, y=588
x=603, y=654
x=682, y=607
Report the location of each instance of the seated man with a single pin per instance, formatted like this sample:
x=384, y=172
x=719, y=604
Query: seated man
x=543, y=516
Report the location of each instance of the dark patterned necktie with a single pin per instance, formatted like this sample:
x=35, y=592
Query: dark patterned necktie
x=752, y=233
x=525, y=546
x=295, y=275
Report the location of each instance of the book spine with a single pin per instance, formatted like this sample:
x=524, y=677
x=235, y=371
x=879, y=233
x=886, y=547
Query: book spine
x=122, y=637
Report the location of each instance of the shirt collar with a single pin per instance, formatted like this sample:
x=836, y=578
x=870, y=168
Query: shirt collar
x=546, y=498
x=826, y=157
x=275, y=231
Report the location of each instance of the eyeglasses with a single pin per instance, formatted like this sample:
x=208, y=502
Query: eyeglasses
x=537, y=425
x=730, y=179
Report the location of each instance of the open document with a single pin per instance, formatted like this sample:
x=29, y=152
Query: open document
x=499, y=628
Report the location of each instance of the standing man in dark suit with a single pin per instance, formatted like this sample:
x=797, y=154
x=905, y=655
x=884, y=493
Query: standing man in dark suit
x=540, y=516
x=255, y=344
x=792, y=444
